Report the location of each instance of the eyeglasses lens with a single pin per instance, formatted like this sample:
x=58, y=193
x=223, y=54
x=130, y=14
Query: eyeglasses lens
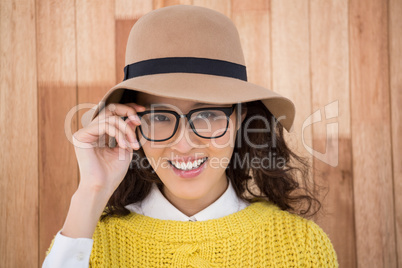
x=161, y=125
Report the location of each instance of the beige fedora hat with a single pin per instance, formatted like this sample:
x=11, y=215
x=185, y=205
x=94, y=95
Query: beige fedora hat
x=192, y=53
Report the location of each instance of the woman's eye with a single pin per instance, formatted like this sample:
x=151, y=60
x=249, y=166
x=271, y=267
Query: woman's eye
x=159, y=118
x=204, y=115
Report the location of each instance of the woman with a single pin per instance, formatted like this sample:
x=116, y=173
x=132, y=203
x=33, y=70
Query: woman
x=201, y=175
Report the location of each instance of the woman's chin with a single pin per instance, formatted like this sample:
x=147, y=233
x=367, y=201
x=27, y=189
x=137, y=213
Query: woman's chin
x=188, y=193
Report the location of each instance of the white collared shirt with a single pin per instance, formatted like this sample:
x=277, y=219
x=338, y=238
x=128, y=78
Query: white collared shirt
x=75, y=252
x=156, y=205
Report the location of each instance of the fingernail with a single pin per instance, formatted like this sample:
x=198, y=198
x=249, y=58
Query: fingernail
x=135, y=145
x=133, y=117
x=136, y=119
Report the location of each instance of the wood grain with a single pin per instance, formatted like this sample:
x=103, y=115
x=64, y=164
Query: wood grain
x=132, y=9
x=19, y=133
x=290, y=46
x=165, y=3
x=255, y=41
x=330, y=95
x=222, y=6
x=371, y=134
x=395, y=56
x=57, y=82
x=96, y=72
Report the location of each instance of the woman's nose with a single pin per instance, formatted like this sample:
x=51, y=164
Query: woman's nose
x=185, y=139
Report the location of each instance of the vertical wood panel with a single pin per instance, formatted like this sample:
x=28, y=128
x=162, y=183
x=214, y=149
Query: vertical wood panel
x=395, y=56
x=165, y=3
x=96, y=72
x=252, y=22
x=330, y=82
x=291, y=67
x=222, y=6
x=19, y=133
x=56, y=54
x=132, y=9
x=290, y=57
x=371, y=134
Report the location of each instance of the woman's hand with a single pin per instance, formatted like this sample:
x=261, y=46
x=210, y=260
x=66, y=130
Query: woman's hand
x=102, y=168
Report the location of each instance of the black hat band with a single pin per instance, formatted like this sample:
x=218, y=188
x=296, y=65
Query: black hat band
x=185, y=65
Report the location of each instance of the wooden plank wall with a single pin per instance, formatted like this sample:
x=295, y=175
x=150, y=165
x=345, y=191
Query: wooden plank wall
x=19, y=162
x=57, y=94
x=341, y=59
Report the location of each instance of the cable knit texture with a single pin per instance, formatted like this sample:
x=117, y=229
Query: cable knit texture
x=261, y=235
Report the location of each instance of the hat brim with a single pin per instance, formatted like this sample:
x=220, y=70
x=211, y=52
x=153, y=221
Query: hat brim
x=200, y=87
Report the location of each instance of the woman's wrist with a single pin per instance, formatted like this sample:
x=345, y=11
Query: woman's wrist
x=95, y=191
x=85, y=210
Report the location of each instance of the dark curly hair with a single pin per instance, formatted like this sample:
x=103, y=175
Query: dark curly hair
x=277, y=182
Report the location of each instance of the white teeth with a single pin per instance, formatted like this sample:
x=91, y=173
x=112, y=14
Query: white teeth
x=188, y=165
x=196, y=163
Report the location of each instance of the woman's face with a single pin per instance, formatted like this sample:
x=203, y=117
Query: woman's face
x=204, y=184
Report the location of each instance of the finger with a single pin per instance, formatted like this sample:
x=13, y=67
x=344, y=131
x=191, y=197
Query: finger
x=126, y=129
x=135, y=144
x=120, y=109
x=136, y=106
x=98, y=135
x=115, y=144
x=112, y=131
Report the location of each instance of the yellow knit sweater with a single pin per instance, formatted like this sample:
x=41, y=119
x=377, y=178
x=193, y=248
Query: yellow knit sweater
x=261, y=235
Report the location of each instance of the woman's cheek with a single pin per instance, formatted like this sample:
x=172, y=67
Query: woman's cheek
x=226, y=140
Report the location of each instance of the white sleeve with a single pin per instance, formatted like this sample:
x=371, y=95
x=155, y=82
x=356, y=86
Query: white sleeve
x=69, y=252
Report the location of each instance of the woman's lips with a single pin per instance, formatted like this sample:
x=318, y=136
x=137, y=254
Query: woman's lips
x=189, y=173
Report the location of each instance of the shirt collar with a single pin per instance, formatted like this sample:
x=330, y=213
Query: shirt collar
x=156, y=205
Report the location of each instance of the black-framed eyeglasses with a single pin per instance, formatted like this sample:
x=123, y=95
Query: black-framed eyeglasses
x=207, y=123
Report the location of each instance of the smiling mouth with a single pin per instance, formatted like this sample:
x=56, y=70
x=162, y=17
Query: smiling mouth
x=189, y=165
